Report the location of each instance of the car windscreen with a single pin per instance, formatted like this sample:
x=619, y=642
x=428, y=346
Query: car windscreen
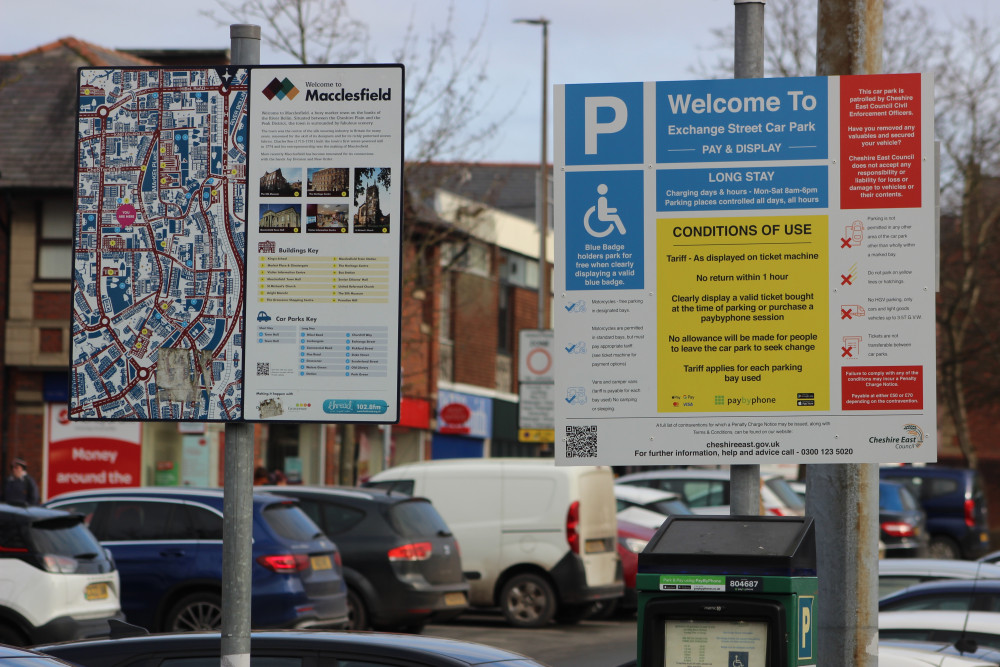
x=787, y=494
x=417, y=518
x=670, y=507
x=289, y=521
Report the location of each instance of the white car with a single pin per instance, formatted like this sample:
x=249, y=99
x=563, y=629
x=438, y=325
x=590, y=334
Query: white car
x=898, y=573
x=706, y=491
x=981, y=629
x=56, y=581
x=654, y=500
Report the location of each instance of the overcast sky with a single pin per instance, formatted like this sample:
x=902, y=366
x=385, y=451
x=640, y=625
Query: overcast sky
x=589, y=40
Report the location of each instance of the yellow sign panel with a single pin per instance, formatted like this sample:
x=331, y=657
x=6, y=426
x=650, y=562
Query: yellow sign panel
x=743, y=327
x=536, y=435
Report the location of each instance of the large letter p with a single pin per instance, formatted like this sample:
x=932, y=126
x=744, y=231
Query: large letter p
x=592, y=128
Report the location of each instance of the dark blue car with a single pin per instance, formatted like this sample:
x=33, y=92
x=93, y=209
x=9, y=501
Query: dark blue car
x=945, y=595
x=167, y=544
x=955, y=504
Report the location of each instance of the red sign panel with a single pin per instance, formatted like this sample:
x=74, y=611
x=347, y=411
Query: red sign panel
x=88, y=455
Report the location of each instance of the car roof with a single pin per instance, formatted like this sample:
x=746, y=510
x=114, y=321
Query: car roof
x=941, y=568
x=462, y=652
x=16, y=513
x=903, y=656
x=946, y=586
x=688, y=473
x=349, y=494
x=214, y=494
x=642, y=494
x=641, y=516
x=926, y=471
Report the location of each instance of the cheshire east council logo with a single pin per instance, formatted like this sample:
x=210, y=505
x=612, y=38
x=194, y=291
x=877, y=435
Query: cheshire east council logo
x=916, y=432
x=280, y=89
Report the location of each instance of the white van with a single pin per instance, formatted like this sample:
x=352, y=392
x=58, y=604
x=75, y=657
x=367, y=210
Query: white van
x=537, y=540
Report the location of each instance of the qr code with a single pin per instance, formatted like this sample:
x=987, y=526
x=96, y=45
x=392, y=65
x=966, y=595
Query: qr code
x=263, y=368
x=581, y=441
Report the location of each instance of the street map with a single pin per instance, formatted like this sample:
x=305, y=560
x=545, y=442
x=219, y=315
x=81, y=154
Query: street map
x=160, y=245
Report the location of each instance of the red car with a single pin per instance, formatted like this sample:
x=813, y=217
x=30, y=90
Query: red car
x=636, y=526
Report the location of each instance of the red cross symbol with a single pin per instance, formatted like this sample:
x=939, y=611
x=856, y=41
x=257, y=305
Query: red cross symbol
x=845, y=280
x=846, y=352
x=845, y=313
x=845, y=243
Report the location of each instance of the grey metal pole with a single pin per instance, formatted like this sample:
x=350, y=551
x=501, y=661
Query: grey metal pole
x=543, y=284
x=843, y=498
x=744, y=492
x=237, y=530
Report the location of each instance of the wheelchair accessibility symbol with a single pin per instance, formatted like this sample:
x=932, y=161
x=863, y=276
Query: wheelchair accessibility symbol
x=604, y=214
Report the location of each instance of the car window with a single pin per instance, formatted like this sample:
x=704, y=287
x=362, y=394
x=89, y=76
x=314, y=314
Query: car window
x=11, y=539
x=943, y=601
x=289, y=521
x=703, y=492
x=128, y=520
x=417, y=518
x=205, y=524
x=84, y=507
x=888, y=585
x=787, y=495
x=889, y=497
x=940, y=486
x=332, y=517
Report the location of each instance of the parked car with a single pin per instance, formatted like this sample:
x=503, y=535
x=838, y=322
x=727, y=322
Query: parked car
x=636, y=527
x=947, y=594
x=981, y=627
x=167, y=543
x=901, y=521
x=706, y=491
x=56, y=581
x=305, y=648
x=401, y=562
x=654, y=500
x=955, y=504
x=897, y=573
x=983, y=655
x=538, y=540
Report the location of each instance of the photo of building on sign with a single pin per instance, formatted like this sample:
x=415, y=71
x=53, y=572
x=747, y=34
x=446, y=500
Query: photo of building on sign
x=280, y=218
x=372, y=187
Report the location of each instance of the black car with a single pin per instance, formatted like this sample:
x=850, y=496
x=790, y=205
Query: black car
x=401, y=562
x=288, y=648
x=955, y=504
x=902, y=523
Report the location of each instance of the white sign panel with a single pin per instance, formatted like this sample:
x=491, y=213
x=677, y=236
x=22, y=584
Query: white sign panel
x=535, y=356
x=750, y=267
x=323, y=243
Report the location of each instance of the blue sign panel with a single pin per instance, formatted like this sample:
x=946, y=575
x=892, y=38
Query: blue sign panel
x=741, y=188
x=604, y=230
x=806, y=625
x=604, y=123
x=741, y=120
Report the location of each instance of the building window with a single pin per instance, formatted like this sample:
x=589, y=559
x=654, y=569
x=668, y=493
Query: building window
x=505, y=321
x=518, y=270
x=55, y=240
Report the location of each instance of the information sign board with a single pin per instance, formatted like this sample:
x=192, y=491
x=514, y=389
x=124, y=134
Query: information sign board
x=206, y=195
x=750, y=264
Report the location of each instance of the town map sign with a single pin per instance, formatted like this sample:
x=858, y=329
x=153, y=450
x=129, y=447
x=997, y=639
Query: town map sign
x=237, y=244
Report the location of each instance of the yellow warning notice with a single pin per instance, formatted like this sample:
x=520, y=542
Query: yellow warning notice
x=743, y=314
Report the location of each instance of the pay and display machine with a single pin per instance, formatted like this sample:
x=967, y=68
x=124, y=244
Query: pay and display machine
x=728, y=591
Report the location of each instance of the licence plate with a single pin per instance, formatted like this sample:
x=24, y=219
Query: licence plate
x=320, y=562
x=454, y=599
x=96, y=591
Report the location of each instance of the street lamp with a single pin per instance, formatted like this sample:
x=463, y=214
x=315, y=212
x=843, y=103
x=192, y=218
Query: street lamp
x=543, y=174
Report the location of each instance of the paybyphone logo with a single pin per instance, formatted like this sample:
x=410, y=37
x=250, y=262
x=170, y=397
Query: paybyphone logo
x=281, y=89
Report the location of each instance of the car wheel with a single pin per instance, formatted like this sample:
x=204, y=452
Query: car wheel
x=357, y=615
x=198, y=611
x=943, y=547
x=528, y=601
x=11, y=635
